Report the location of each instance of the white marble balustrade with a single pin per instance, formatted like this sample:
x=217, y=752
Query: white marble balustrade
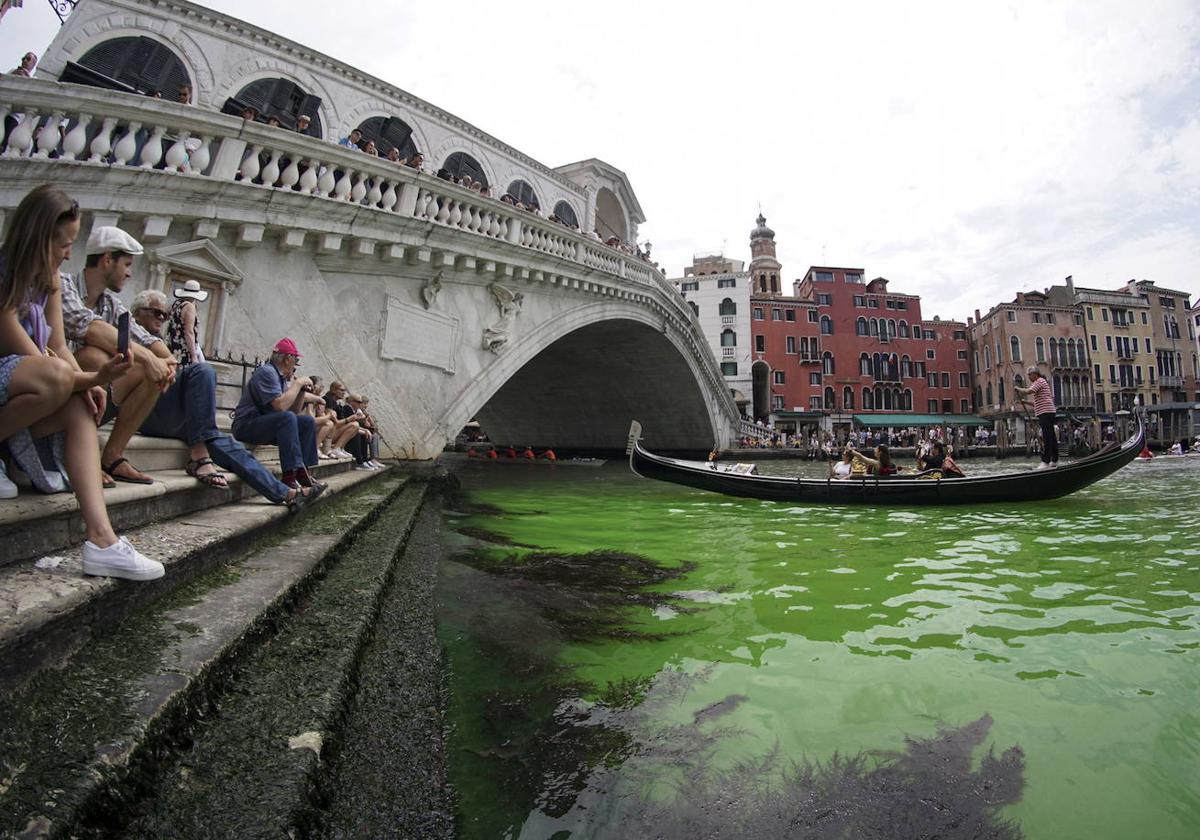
x=77, y=125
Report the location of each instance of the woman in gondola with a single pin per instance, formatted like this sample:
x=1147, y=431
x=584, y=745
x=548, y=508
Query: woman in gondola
x=843, y=468
x=881, y=464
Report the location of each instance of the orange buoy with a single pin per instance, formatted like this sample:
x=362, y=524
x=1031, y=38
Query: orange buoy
x=549, y=455
x=491, y=453
x=471, y=453
x=528, y=454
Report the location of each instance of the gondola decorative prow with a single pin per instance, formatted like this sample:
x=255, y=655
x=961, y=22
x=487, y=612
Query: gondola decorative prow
x=635, y=434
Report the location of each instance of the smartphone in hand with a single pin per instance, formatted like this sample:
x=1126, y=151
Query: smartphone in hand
x=123, y=334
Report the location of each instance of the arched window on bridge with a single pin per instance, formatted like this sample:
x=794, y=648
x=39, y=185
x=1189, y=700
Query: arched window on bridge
x=462, y=164
x=134, y=64
x=829, y=405
x=728, y=338
x=523, y=193
x=695, y=308
x=389, y=133
x=280, y=98
x=847, y=399
x=728, y=307
x=566, y=213
x=826, y=325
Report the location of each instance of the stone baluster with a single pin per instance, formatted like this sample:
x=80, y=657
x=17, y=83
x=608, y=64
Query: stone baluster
x=374, y=194
x=49, y=136
x=443, y=213
x=199, y=158
x=431, y=206
x=389, y=198
x=456, y=214
x=270, y=172
x=177, y=156
x=152, y=152
x=308, y=180
x=101, y=146
x=20, y=140
x=325, y=183
x=342, y=190
x=512, y=230
x=527, y=236
x=126, y=147
x=291, y=174
x=478, y=220
x=76, y=140
x=250, y=163
x=359, y=190
x=469, y=222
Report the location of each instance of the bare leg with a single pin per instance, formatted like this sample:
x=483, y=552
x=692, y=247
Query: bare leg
x=347, y=434
x=136, y=397
x=39, y=387
x=83, y=466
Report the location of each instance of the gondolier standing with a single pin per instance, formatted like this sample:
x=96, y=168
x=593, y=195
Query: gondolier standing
x=1043, y=407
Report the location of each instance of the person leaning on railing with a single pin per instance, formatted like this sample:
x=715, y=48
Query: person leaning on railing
x=188, y=412
x=44, y=395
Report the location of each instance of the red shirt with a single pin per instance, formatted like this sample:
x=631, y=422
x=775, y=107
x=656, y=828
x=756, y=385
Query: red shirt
x=1043, y=400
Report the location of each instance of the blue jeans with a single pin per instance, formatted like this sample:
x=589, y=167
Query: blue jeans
x=294, y=434
x=188, y=412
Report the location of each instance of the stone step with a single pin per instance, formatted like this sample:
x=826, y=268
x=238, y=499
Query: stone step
x=85, y=741
x=49, y=607
x=152, y=453
x=33, y=524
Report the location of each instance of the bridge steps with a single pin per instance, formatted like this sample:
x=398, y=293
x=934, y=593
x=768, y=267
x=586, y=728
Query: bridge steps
x=33, y=525
x=252, y=638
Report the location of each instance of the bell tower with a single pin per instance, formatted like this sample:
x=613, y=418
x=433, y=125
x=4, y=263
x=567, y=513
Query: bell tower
x=765, y=269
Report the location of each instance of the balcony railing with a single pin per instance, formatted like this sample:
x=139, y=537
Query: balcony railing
x=728, y=352
x=728, y=320
x=58, y=122
x=1168, y=381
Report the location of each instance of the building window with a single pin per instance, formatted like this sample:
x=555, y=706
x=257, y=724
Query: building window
x=872, y=304
x=758, y=313
x=929, y=354
x=814, y=378
x=695, y=308
x=960, y=335
x=812, y=316
x=777, y=377
x=729, y=338
x=564, y=211
x=962, y=355
x=1050, y=318
x=826, y=325
x=933, y=406
x=760, y=343
x=829, y=405
x=727, y=283
x=847, y=398
x=791, y=344
x=776, y=314
x=931, y=380
x=1093, y=337
x=854, y=278
x=789, y=315
x=1012, y=317
x=963, y=381
x=916, y=331
x=860, y=302
x=777, y=402
x=523, y=193
x=1014, y=348
x=689, y=286
x=860, y=326
x=1077, y=319
x=827, y=364
x=824, y=299
x=729, y=368
x=945, y=380
x=904, y=329
x=727, y=307
x=141, y=63
x=889, y=304
x=823, y=276
x=1091, y=315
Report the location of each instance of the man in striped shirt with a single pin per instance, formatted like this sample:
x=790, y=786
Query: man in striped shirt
x=1043, y=407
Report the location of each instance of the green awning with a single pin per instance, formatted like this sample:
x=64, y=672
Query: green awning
x=883, y=420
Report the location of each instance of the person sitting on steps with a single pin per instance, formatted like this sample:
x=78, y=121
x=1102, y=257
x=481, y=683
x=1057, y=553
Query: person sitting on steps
x=90, y=312
x=188, y=411
x=43, y=392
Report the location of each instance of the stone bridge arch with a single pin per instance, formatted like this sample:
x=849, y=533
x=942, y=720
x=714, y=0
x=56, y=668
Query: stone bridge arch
x=576, y=380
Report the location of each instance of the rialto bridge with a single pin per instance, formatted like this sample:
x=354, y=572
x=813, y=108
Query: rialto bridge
x=442, y=303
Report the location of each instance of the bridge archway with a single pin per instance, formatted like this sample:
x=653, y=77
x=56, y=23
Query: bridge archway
x=582, y=388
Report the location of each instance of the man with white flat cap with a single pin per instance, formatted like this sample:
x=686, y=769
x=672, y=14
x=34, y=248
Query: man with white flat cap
x=91, y=307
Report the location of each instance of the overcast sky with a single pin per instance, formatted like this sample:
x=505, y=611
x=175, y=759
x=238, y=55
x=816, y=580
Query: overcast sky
x=965, y=151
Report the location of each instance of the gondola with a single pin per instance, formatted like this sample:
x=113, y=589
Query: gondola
x=1024, y=486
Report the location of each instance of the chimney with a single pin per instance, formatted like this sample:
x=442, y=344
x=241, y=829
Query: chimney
x=976, y=314
x=1070, y=281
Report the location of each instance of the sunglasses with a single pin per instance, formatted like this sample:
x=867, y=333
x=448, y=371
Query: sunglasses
x=157, y=313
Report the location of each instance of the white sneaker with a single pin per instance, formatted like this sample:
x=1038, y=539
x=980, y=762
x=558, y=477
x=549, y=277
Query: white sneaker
x=363, y=467
x=1054, y=465
x=8, y=490
x=119, y=560
x=1042, y=466
x=376, y=464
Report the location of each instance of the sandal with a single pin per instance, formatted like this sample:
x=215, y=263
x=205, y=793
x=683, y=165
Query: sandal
x=111, y=469
x=106, y=481
x=302, y=496
x=216, y=478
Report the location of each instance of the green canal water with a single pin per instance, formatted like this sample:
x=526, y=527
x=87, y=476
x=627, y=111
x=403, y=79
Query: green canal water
x=725, y=667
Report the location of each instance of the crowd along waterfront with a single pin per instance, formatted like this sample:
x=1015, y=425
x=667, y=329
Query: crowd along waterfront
x=630, y=657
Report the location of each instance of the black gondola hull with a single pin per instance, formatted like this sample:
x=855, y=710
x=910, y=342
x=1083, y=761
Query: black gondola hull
x=1024, y=486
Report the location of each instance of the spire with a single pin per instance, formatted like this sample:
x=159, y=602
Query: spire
x=762, y=231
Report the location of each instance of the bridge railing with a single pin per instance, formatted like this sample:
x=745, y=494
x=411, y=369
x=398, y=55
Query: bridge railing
x=82, y=126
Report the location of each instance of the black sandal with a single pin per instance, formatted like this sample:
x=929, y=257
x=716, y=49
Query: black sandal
x=111, y=469
x=303, y=496
x=216, y=478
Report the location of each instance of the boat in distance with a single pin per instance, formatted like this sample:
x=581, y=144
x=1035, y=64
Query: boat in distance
x=1023, y=486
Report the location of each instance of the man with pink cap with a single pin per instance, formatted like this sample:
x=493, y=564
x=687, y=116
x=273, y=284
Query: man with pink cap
x=263, y=415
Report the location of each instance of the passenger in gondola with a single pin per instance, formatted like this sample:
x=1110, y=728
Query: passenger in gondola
x=844, y=468
x=881, y=465
x=938, y=460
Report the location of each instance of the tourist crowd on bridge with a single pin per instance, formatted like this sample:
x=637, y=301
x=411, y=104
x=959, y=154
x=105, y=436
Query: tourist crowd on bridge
x=74, y=358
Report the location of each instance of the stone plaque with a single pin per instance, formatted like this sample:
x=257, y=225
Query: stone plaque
x=415, y=335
